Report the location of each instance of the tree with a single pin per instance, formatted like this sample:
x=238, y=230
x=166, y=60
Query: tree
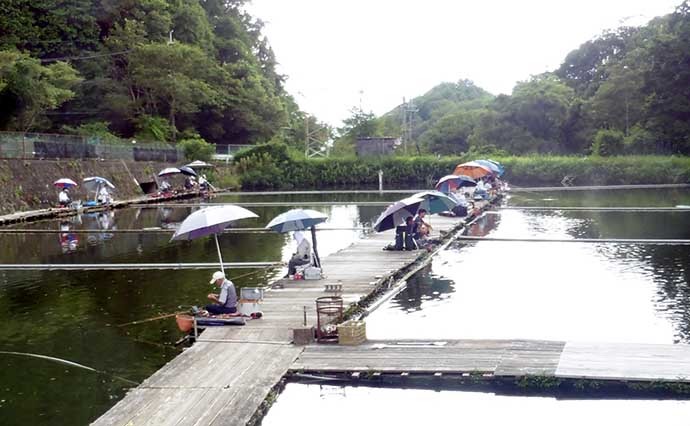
x=31, y=89
x=540, y=106
x=173, y=78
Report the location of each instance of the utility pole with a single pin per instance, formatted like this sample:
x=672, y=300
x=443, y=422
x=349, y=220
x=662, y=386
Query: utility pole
x=408, y=110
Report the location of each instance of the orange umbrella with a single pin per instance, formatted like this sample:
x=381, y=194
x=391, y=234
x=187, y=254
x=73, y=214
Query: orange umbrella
x=472, y=169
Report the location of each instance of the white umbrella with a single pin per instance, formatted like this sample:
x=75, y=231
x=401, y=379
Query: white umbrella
x=95, y=182
x=298, y=219
x=169, y=171
x=198, y=164
x=211, y=220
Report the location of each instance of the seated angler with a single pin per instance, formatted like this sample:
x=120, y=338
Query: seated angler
x=423, y=228
x=226, y=301
x=302, y=256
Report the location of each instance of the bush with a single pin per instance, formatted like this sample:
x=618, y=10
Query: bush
x=262, y=172
x=608, y=142
x=196, y=149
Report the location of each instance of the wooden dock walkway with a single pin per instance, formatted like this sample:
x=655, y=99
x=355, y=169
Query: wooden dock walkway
x=59, y=212
x=504, y=358
x=227, y=374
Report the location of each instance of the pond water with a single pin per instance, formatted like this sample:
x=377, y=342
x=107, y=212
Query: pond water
x=487, y=289
x=334, y=405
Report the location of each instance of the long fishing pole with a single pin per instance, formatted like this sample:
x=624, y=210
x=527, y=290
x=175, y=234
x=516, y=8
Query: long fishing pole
x=67, y=362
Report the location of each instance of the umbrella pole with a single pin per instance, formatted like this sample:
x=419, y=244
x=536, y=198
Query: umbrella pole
x=220, y=257
x=316, y=252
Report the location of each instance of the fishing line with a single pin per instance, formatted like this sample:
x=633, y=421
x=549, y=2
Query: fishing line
x=67, y=362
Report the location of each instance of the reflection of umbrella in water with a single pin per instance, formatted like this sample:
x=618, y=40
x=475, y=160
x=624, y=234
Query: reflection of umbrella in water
x=211, y=220
x=450, y=183
x=64, y=183
x=169, y=171
x=186, y=171
x=396, y=213
x=296, y=220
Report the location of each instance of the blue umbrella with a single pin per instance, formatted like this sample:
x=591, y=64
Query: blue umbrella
x=295, y=220
x=298, y=219
x=499, y=165
x=495, y=167
x=396, y=213
x=449, y=183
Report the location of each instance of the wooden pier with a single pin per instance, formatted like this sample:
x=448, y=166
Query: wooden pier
x=504, y=358
x=60, y=212
x=227, y=376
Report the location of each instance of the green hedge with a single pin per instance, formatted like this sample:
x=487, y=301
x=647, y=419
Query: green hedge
x=271, y=167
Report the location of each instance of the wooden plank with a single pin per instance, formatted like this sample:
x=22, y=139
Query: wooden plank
x=625, y=361
x=228, y=381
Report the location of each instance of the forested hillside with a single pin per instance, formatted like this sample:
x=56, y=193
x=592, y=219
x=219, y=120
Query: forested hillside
x=624, y=92
x=99, y=66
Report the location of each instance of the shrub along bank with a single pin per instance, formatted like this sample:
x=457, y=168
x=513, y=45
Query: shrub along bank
x=271, y=166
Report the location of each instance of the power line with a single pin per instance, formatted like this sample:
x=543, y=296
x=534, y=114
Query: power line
x=79, y=58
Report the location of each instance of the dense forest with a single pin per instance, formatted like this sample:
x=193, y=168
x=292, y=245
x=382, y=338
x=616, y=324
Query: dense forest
x=171, y=70
x=624, y=92
x=157, y=70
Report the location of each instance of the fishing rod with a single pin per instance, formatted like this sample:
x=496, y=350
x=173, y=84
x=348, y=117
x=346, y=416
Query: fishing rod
x=69, y=363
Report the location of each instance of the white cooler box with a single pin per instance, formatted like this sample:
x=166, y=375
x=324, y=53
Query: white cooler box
x=312, y=273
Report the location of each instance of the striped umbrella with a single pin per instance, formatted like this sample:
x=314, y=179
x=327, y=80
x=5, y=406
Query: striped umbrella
x=64, y=183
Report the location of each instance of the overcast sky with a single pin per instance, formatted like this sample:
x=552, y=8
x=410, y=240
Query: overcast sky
x=338, y=52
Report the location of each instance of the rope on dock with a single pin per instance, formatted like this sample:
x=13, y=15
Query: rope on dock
x=599, y=209
x=597, y=187
x=132, y=266
x=157, y=230
x=258, y=342
x=268, y=204
x=651, y=241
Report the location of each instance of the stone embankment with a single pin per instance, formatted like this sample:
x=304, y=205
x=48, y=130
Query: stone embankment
x=28, y=184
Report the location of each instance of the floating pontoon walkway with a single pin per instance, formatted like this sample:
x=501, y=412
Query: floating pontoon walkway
x=503, y=358
x=58, y=212
x=226, y=375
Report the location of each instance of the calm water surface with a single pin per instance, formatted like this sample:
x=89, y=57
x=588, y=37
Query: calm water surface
x=566, y=291
x=345, y=406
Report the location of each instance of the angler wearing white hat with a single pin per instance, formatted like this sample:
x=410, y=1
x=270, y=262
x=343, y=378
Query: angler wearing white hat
x=226, y=301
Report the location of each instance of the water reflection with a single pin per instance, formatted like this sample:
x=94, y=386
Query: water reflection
x=566, y=291
x=368, y=405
